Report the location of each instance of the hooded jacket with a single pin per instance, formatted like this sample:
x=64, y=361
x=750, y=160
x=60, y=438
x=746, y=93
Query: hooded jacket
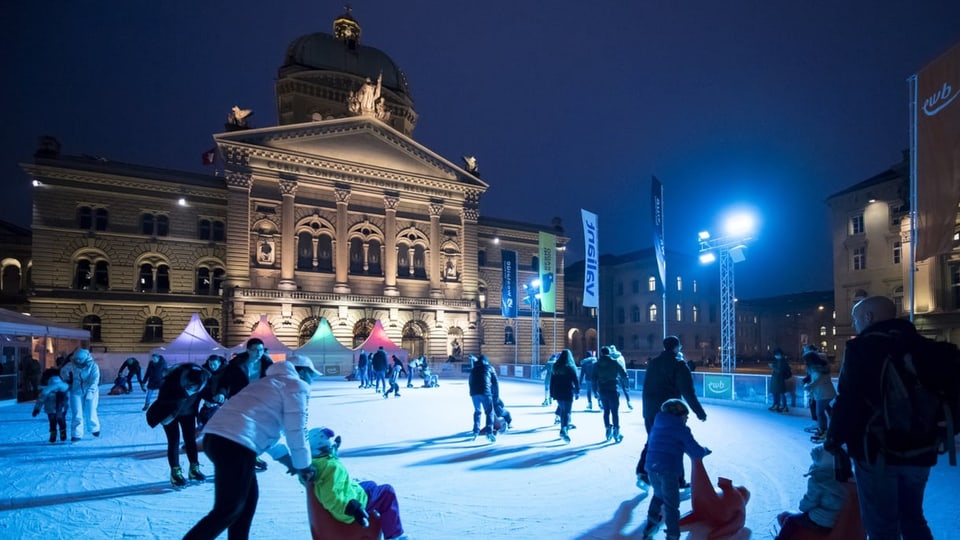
x=825, y=495
x=265, y=410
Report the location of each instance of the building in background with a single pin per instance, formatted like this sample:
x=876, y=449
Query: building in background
x=789, y=322
x=15, y=266
x=632, y=312
x=336, y=213
x=871, y=256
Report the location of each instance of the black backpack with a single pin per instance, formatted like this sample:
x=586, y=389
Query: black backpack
x=919, y=400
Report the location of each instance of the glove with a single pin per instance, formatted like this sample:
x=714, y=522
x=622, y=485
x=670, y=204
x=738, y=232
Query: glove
x=707, y=451
x=36, y=411
x=306, y=475
x=576, y=396
x=702, y=418
x=359, y=514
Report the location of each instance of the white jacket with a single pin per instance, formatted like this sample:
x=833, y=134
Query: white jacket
x=81, y=379
x=268, y=407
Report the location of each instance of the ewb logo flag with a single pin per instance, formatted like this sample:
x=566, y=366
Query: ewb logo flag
x=938, y=154
x=508, y=288
x=656, y=198
x=548, y=272
x=591, y=263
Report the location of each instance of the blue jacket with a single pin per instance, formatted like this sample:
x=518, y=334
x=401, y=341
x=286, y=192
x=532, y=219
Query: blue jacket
x=669, y=439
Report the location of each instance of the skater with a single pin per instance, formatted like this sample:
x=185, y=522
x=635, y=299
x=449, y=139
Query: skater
x=247, y=425
x=346, y=499
x=380, y=365
x=607, y=375
x=245, y=368
x=176, y=409
x=156, y=369
x=822, y=502
x=211, y=398
x=821, y=390
x=395, y=371
x=623, y=381
x=132, y=365
x=54, y=401
x=564, y=388
x=484, y=392
x=779, y=373
x=587, y=366
x=82, y=374
x=669, y=439
x=412, y=364
x=668, y=377
x=362, y=361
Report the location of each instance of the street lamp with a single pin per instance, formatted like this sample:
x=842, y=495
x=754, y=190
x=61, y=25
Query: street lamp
x=730, y=249
x=533, y=298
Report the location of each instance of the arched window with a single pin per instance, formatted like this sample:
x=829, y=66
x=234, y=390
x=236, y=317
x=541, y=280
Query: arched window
x=91, y=276
x=679, y=310
x=153, y=330
x=212, y=326
x=91, y=323
x=154, y=279
x=508, y=338
x=636, y=341
x=356, y=256
x=419, y=262
x=11, y=280
x=305, y=251
x=696, y=314
x=324, y=254
x=823, y=330
x=652, y=313
x=209, y=280
x=635, y=313
x=651, y=283
x=374, y=267
x=679, y=283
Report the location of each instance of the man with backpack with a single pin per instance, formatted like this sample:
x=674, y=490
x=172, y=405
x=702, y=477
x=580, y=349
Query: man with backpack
x=891, y=474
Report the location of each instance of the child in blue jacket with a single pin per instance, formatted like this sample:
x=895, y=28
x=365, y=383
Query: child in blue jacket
x=669, y=440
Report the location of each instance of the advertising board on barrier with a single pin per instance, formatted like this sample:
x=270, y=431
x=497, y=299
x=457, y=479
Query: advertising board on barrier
x=718, y=385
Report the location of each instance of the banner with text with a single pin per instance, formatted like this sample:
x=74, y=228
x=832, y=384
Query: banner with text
x=508, y=287
x=548, y=272
x=591, y=263
x=656, y=200
x=938, y=154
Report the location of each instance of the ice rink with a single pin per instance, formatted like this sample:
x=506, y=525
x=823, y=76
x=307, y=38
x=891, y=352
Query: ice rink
x=526, y=485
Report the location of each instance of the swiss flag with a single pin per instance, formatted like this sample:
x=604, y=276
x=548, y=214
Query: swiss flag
x=209, y=156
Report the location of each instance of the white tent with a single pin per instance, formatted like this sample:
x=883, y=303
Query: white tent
x=328, y=355
x=275, y=348
x=194, y=344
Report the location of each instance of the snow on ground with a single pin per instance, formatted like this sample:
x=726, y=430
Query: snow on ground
x=527, y=485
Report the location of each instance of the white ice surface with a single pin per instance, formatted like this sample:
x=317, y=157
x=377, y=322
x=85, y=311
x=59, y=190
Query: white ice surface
x=527, y=485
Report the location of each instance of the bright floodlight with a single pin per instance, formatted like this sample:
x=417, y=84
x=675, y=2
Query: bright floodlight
x=707, y=258
x=703, y=235
x=739, y=224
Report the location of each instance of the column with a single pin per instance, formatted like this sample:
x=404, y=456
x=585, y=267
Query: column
x=288, y=190
x=433, y=258
x=238, y=229
x=468, y=277
x=342, y=249
x=390, y=246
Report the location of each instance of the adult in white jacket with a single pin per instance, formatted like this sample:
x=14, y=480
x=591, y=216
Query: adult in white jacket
x=82, y=374
x=247, y=425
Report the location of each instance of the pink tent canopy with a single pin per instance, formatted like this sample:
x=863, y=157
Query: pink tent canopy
x=378, y=338
x=275, y=348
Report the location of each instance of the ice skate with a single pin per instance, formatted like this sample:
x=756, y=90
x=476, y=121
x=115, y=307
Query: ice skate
x=491, y=437
x=176, y=477
x=643, y=483
x=556, y=419
x=589, y=406
x=609, y=433
x=617, y=437
x=474, y=436
x=53, y=435
x=195, y=473
x=685, y=490
x=564, y=436
x=63, y=435
x=650, y=526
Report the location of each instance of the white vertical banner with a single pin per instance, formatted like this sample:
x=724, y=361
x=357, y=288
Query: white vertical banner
x=591, y=267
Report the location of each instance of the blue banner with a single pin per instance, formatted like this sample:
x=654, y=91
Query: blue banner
x=508, y=287
x=656, y=199
x=591, y=263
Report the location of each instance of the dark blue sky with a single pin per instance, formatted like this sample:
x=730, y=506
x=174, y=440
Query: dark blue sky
x=771, y=104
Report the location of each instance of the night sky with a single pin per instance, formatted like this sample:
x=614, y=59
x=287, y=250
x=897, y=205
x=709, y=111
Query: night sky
x=768, y=104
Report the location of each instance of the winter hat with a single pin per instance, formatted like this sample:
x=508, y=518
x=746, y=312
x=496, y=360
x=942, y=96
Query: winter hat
x=604, y=351
x=675, y=407
x=321, y=440
x=671, y=342
x=82, y=357
x=55, y=384
x=301, y=361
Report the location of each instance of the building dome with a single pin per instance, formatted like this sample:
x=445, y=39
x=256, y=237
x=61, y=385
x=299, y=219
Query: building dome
x=320, y=72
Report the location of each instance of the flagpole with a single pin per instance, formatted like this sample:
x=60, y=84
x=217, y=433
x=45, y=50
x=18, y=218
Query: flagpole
x=913, y=90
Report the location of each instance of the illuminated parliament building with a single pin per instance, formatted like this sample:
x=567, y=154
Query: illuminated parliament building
x=336, y=213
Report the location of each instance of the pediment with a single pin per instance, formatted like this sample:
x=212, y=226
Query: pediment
x=355, y=142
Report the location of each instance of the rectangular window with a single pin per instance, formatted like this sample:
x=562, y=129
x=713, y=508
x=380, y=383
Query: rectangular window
x=896, y=252
x=860, y=258
x=679, y=283
x=856, y=224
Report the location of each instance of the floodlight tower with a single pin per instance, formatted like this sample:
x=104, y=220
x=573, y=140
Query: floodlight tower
x=730, y=248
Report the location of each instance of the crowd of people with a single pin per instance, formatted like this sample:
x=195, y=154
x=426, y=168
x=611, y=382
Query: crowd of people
x=242, y=407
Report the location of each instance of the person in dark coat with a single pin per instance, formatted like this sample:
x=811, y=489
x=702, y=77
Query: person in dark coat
x=564, y=388
x=53, y=400
x=779, y=373
x=244, y=368
x=668, y=377
x=380, y=364
x=211, y=398
x=587, y=365
x=607, y=376
x=156, y=369
x=132, y=365
x=484, y=392
x=396, y=369
x=176, y=409
x=890, y=487
x=362, y=365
